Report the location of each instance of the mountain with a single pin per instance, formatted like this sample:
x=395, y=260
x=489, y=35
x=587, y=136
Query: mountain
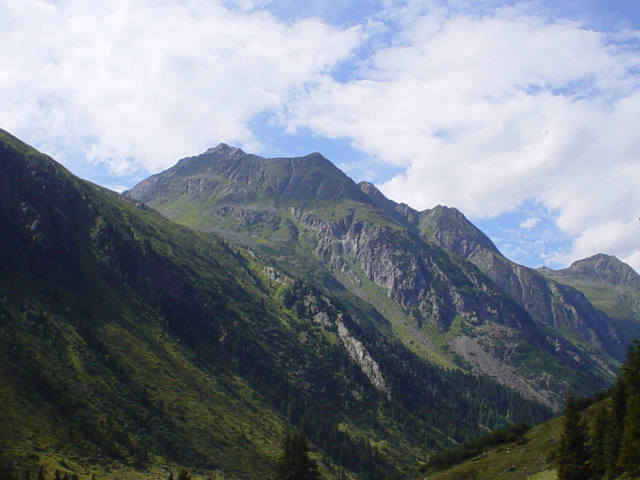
x=610, y=285
x=551, y=304
x=132, y=346
x=422, y=276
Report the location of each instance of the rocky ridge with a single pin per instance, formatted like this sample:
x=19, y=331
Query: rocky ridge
x=444, y=282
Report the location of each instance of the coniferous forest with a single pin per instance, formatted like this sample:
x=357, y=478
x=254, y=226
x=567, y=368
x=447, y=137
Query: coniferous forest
x=603, y=442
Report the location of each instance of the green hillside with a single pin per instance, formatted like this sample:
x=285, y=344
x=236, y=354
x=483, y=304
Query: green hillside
x=594, y=440
x=530, y=457
x=131, y=347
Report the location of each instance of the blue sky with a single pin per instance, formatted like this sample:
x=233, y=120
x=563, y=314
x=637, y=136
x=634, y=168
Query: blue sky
x=523, y=115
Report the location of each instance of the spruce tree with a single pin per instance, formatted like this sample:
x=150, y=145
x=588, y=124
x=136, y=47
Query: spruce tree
x=294, y=462
x=615, y=429
x=598, y=440
x=573, y=455
x=629, y=458
x=628, y=431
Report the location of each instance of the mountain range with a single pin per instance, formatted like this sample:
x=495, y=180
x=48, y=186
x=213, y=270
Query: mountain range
x=195, y=319
x=440, y=283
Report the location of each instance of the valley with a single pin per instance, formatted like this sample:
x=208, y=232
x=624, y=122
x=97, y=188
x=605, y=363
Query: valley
x=195, y=320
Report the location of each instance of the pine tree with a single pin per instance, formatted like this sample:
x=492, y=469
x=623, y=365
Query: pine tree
x=615, y=429
x=573, y=455
x=629, y=459
x=294, y=462
x=598, y=438
x=626, y=397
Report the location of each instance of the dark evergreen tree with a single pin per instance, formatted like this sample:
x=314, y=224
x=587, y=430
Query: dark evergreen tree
x=5, y=472
x=598, y=440
x=573, y=459
x=294, y=462
x=629, y=457
x=184, y=475
x=615, y=428
x=628, y=430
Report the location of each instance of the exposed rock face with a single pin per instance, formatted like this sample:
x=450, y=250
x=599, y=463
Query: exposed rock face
x=324, y=314
x=435, y=267
x=549, y=303
x=359, y=354
x=413, y=273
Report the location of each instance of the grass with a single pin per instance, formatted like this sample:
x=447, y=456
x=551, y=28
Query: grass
x=531, y=459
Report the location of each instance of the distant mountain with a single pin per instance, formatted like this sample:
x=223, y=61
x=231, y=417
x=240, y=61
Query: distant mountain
x=129, y=341
x=431, y=279
x=610, y=285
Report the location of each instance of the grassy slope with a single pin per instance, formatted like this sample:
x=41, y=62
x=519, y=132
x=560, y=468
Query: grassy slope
x=530, y=460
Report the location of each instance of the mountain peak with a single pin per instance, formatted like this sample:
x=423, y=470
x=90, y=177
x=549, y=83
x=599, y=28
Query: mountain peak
x=224, y=149
x=227, y=175
x=597, y=259
x=449, y=228
x=607, y=268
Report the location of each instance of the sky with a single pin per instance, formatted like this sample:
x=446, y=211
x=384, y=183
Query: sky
x=523, y=115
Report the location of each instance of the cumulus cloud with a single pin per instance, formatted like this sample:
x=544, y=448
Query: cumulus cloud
x=142, y=83
x=487, y=111
x=479, y=106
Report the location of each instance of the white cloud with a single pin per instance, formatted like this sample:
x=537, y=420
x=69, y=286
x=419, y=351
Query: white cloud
x=483, y=107
x=144, y=83
x=530, y=223
x=487, y=111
